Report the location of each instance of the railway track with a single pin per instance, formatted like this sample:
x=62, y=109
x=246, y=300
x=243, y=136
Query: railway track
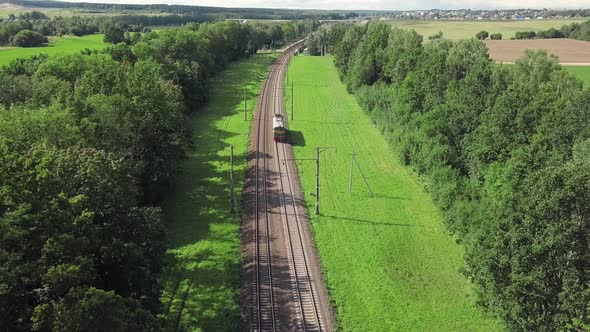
x=304, y=302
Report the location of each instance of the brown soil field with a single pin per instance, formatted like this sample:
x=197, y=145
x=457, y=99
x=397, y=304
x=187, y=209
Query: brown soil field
x=569, y=51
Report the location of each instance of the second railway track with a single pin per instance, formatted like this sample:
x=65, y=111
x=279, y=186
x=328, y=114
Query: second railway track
x=303, y=305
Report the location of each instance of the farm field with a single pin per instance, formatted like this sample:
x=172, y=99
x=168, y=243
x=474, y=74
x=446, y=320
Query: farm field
x=467, y=29
x=569, y=51
x=582, y=72
x=203, y=284
x=7, y=9
x=57, y=45
x=390, y=265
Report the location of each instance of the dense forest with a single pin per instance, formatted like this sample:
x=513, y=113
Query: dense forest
x=89, y=145
x=505, y=150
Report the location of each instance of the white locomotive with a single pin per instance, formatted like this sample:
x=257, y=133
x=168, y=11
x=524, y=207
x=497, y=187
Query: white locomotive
x=278, y=128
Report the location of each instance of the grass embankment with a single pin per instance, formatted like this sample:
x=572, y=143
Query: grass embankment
x=581, y=72
x=57, y=45
x=202, y=287
x=467, y=29
x=389, y=262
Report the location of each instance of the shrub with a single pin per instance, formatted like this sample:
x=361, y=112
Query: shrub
x=551, y=33
x=525, y=35
x=28, y=38
x=482, y=35
x=496, y=36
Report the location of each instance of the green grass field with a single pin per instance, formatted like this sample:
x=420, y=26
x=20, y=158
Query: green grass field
x=389, y=262
x=202, y=286
x=467, y=29
x=57, y=45
x=582, y=72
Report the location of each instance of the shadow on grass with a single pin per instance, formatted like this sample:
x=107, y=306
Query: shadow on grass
x=296, y=138
x=202, y=282
x=372, y=222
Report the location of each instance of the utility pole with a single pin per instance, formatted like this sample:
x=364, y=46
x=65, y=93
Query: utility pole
x=351, y=169
x=292, y=100
x=338, y=111
x=231, y=178
x=353, y=161
x=317, y=180
x=318, y=149
x=245, y=104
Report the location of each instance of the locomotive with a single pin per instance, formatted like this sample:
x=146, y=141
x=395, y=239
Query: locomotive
x=278, y=128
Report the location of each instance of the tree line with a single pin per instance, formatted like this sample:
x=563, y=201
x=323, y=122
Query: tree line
x=580, y=31
x=207, y=13
x=32, y=29
x=505, y=150
x=89, y=146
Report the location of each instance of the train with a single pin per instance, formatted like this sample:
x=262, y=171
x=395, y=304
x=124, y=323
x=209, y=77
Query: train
x=279, y=130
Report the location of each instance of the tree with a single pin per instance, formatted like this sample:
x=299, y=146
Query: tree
x=482, y=35
x=114, y=34
x=525, y=35
x=402, y=54
x=551, y=33
x=89, y=145
x=496, y=36
x=91, y=309
x=436, y=36
x=369, y=57
x=505, y=151
x=28, y=38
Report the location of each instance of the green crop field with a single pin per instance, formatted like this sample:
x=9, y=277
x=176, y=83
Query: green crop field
x=57, y=45
x=7, y=9
x=390, y=264
x=467, y=29
x=582, y=72
x=202, y=286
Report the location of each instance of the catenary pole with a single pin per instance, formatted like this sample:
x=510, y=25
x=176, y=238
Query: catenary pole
x=245, y=105
x=231, y=178
x=364, y=178
x=317, y=180
x=351, y=169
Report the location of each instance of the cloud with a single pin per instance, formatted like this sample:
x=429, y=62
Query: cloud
x=365, y=4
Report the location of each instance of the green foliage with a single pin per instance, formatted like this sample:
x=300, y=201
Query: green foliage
x=91, y=309
x=496, y=36
x=482, y=35
x=436, y=36
x=114, y=34
x=90, y=144
x=369, y=56
x=551, y=33
x=525, y=35
x=576, y=30
x=28, y=38
x=501, y=148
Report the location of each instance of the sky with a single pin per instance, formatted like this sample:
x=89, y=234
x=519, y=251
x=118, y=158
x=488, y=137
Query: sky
x=367, y=4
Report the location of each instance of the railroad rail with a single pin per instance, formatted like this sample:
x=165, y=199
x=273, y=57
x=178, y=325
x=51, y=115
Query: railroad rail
x=308, y=314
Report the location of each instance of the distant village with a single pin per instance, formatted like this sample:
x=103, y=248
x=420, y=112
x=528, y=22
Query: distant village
x=470, y=14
